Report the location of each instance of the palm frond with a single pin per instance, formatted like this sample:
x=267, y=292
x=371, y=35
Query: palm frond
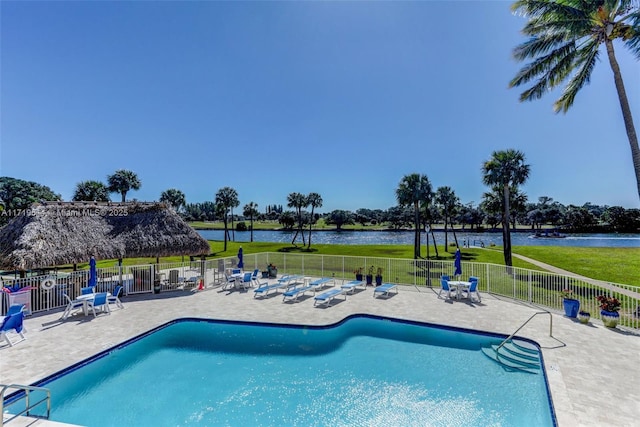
x=548, y=67
x=537, y=46
x=571, y=27
x=548, y=9
x=588, y=56
x=562, y=69
x=633, y=43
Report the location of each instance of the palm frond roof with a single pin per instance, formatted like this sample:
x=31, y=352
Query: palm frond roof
x=56, y=233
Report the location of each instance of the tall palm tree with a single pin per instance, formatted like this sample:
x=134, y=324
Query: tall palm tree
x=315, y=201
x=414, y=190
x=566, y=36
x=174, y=197
x=91, y=191
x=447, y=201
x=122, y=181
x=250, y=210
x=504, y=172
x=298, y=201
x=226, y=200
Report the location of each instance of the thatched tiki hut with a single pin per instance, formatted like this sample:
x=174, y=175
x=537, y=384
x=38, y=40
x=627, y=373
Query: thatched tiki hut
x=58, y=233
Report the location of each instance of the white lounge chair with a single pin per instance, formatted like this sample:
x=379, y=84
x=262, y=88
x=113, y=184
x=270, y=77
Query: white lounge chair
x=326, y=297
x=385, y=289
x=294, y=292
x=350, y=287
x=322, y=282
x=263, y=289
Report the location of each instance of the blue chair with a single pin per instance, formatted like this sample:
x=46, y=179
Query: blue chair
x=115, y=298
x=473, y=289
x=15, y=308
x=229, y=281
x=12, y=322
x=445, y=287
x=246, y=280
x=87, y=290
x=71, y=306
x=99, y=301
x=255, y=274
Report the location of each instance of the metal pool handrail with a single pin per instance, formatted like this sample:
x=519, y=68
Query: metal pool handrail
x=27, y=389
x=523, y=325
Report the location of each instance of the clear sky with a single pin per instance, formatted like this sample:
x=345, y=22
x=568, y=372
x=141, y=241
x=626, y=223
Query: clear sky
x=270, y=98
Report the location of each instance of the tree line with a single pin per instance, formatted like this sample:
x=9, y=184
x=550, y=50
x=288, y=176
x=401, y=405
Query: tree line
x=418, y=206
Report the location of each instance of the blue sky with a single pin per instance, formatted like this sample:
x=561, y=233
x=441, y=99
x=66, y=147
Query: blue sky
x=338, y=98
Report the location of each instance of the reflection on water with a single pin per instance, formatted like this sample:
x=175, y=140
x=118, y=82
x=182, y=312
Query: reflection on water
x=406, y=238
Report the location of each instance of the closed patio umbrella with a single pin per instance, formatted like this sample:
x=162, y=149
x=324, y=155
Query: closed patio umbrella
x=240, y=260
x=93, y=273
x=458, y=263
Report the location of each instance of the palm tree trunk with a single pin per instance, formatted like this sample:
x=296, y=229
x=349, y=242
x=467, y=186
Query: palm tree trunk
x=626, y=111
x=310, y=225
x=427, y=234
x=233, y=228
x=124, y=193
x=446, y=235
x=416, y=233
x=506, y=236
x=225, y=232
x=251, y=220
x=435, y=244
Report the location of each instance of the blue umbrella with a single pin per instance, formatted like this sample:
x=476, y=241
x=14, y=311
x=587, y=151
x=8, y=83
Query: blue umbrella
x=240, y=261
x=93, y=273
x=458, y=263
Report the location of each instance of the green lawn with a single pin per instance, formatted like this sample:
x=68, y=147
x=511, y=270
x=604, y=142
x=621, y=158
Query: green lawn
x=617, y=265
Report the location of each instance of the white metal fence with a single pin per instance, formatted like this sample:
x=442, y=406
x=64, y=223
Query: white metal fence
x=535, y=287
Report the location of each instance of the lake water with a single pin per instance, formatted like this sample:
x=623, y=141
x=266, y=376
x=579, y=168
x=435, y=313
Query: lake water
x=406, y=238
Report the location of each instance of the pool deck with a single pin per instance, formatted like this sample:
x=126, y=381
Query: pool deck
x=593, y=372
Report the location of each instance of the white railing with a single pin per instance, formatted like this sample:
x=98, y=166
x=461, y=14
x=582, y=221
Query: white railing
x=535, y=287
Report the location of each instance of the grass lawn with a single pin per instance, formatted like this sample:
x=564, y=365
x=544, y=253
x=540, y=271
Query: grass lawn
x=616, y=265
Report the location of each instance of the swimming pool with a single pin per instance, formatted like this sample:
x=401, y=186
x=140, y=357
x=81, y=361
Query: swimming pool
x=365, y=370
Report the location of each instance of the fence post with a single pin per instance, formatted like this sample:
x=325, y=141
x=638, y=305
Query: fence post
x=486, y=271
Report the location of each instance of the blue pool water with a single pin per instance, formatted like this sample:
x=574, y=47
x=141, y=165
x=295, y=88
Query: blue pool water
x=364, y=371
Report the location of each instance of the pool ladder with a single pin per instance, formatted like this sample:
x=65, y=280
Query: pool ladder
x=519, y=354
x=26, y=389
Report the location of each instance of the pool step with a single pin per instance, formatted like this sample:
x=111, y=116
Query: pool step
x=516, y=354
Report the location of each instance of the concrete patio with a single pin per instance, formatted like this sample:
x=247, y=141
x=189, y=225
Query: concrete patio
x=594, y=379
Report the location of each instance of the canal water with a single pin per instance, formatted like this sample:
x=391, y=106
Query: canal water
x=406, y=238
